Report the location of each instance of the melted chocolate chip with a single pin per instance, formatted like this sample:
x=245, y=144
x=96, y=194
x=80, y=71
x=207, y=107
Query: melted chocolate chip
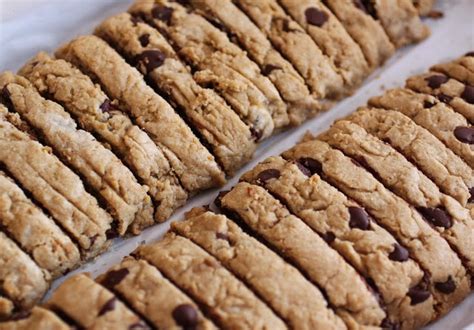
x=267, y=69
x=222, y=236
x=446, y=287
x=437, y=216
x=149, y=60
x=471, y=192
x=436, y=80
x=314, y=166
x=114, y=277
x=468, y=94
x=303, y=169
x=464, y=134
x=109, y=306
x=428, y=105
x=389, y=324
x=418, y=294
x=358, y=218
x=186, y=316
x=268, y=174
x=445, y=98
x=316, y=17
x=162, y=13
x=399, y=253
x=328, y=237
x=144, y=39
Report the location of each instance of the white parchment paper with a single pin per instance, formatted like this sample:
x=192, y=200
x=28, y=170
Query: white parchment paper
x=28, y=26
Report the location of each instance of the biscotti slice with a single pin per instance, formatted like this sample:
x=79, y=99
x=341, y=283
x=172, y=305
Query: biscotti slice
x=296, y=45
x=442, y=212
x=448, y=126
x=218, y=64
x=366, y=31
x=219, y=126
x=423, y=7
x=292, y=296
x=192, y=162
x=331, y=37
x=152, y=296
x=348, y=229
x=127, y=200
x=21, y=280
x=461, y=69
x=445, y=278
x=450, y=91
x=60, y=81
x=37, y=318
x=345, y=289
x=301, y=104
x=91, y=306
x=55, y=187
x=224, y=298
x=35, y=232
x=439, y=163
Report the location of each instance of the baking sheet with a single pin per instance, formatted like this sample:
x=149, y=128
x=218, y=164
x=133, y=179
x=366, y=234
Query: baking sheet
x=28, y=26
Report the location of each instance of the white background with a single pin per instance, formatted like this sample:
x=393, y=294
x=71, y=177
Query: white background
x=28, y=26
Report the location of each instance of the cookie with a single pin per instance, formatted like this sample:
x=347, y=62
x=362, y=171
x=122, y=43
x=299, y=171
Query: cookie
x=347, y=228
x=91, y=306
x=448, y=126
x=56, y=188
x=227, y=300
x=286, y=291
x=450, y=91
x=33, y=231
x=442, y=212
x=94, y=112
x=446, y=278
x=439, y=163
x=221, y=129
x=296, y=45
x=192, y=162
x=461, y=69
x=37, y=318
x=331, y=37
x=145, y=289
x=21, y=280
x=124, y=197
x=301, y=104
x=219, y=64
x=364, y=29
x=345, y=289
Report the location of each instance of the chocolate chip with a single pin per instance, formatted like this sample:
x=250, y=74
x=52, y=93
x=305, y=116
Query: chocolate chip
x=366, y=6
x=428, y=104
x=399, y=253
x=114, y=277
x=471, y=192
x=162, y=13
x=138, y=325
x=107, y=106
x=303, y=169
x=446, y=287
x=389, y=324
x=109, y=306
x=268, y=174
x=219, y=197
x=186, y=316
x=470, y=54
x=328, y=237
x=144, y=39
x=135, y=20
x=267, y=69
x=436, y=80
x=445, y=98
x=286, y=26
x=437, y=216
x=358, y=218
x=468, y=94
x=256, y=134
x=222, y=236
x=316, y=17
x=314, y=166
x=464, y=134
x=149, y=60
x=418, y=294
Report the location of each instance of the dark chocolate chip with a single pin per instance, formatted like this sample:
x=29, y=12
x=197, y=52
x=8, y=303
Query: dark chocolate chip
x=316, y=17
x=114, y=277
x=468, y=94
x=144, y=39
x=186, y=316
x=286, y=26
x=389, y=325
x=256, y=134
x=418, y=294
x=149, y=60
x=427, y=104
x=470, y=54
x=107, y=106
x=437, y=216
x=446, y=287
x=445, y=98
x=366, y=6
x=109, y=306
x=328, y=237
x=314, y=166
x=436, y=80
x=222, y=236
x=268, y=174
x=359, y=218
x=303, y=169
x=162, y=13
x=464, y=134
x=135, y=20
x=471, y=192
x=267, y=69
x=399, y=253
